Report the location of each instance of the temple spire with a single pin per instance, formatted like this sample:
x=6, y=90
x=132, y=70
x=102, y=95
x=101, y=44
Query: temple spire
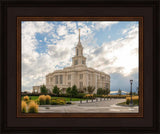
x=79, y=35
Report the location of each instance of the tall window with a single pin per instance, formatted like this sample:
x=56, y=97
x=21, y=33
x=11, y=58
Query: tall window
x=56, y=79
x=81, y=85
x=82, y=61
x=81, y=76
x=69, y=77
x=76, y=62
x=61, y=79
x=69, y=84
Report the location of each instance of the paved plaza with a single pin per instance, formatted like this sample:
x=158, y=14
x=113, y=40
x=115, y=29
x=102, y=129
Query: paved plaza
x=103, y=106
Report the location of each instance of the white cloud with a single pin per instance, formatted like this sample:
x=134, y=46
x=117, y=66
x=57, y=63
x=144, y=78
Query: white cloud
x=118, y=56
x=104, y=24
x=62, y=30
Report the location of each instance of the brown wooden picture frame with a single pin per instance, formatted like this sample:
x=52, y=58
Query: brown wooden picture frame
x=139, y=114
x=146, y=12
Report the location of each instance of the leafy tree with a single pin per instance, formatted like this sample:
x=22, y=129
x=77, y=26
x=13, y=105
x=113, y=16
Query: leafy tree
x=43, y=89
x=56, y=90
x=119, y=92
x=107, y=91
x=84, y=89
x=99, y=91
x=90, y=89
x=74, y=90
x=68, y=90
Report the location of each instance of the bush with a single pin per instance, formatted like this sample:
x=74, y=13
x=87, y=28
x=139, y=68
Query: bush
x=37, y=102
x=42, y=99
x=58, y=102
x=23, y=107
x=33, y=107
x=26, y=98
x=61, y=101
x=68, y=102
x=54, y=102
x=89, y=96
x=80, y=95
x=48, y=99
x=134, y=98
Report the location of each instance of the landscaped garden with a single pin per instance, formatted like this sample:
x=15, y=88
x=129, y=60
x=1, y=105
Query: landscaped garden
x=135, y=100
x=31, y=102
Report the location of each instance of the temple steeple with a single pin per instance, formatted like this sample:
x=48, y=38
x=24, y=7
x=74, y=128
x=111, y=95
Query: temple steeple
x=79, y=58
x=79, y=48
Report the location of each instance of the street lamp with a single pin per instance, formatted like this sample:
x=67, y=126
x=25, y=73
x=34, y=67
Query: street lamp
x=131, y=102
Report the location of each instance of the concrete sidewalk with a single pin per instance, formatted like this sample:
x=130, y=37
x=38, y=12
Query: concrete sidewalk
x=104, y=106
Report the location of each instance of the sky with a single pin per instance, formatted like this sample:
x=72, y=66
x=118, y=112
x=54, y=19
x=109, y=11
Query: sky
x=109, y=46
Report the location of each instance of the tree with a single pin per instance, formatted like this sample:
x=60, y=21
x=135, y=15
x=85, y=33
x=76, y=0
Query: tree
x=69, y=92
x=43, y=89
x=107, y=91
x=119, y=92
x=74, y=91
x=56, y=90
x=100, y=91
x=90, y=89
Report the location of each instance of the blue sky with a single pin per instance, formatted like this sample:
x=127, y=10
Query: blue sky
x=109, y=46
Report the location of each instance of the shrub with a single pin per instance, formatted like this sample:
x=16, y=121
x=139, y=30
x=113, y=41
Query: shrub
x=54, y=102
x=61, y=101
x=58, y=102
x=80, y=95
x=23, y=107
x=42, y=99
x=134, y=98
x=68, y=102
x=89, y=96
x=26, y=98
x=37, y=102
x=48, y=99
x=33, y=107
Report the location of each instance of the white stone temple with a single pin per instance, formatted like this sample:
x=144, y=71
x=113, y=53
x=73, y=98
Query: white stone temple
x=77, y=74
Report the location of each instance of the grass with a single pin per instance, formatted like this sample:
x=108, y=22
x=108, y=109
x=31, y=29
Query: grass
x=66, y=98
x=124, y=104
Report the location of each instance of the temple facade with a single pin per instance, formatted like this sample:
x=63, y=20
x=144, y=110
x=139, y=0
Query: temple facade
x=77, y=74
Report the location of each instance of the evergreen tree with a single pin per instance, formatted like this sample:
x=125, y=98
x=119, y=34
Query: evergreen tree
x=74, y=91
x=56, y=90
x=43, y=89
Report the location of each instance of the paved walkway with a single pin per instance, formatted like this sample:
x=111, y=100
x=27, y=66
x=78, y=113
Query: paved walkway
x=104, y=106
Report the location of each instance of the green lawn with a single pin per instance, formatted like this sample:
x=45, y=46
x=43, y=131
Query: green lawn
x=124, y=104
x=66, y=98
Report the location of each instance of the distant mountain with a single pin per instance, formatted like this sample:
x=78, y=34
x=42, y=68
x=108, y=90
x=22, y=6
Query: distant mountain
x=116, y=92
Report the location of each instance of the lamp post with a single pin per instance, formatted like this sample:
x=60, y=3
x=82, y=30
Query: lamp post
x=131, y=102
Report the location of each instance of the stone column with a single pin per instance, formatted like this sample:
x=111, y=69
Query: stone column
x=85, y=79
x=94, y=80
x=73, y=78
